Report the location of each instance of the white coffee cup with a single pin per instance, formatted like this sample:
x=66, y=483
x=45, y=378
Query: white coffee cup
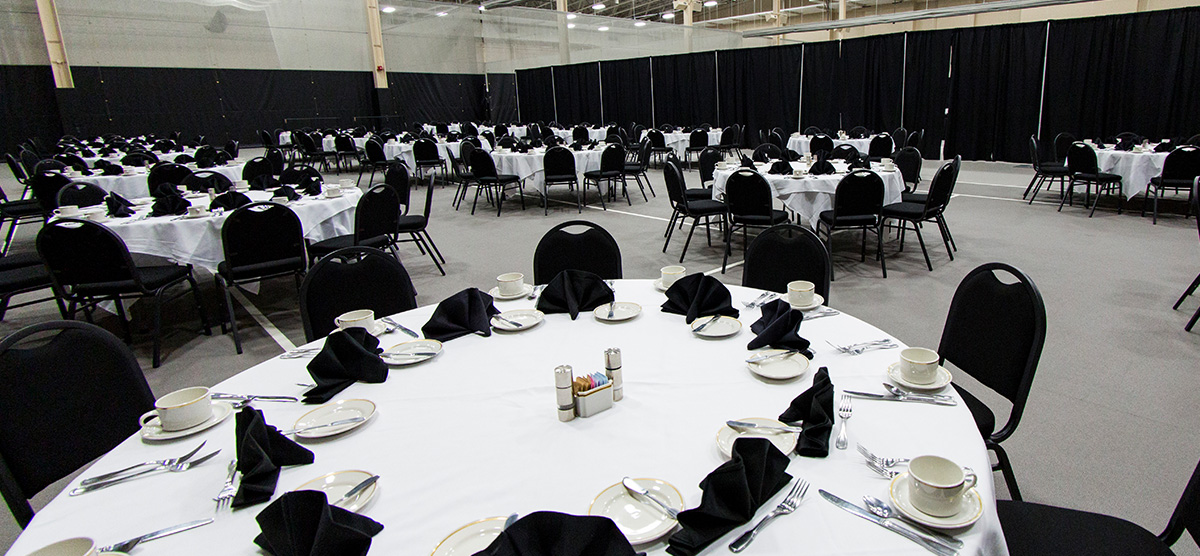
x=919, y=365
x=78, y=546
x=197, y=210
x=181, y=409
x=361, y=318
x=346, y=182
x=69, y=211
x=510, y=283
x=800, y=293
x=670, y=274
x=938, y=485
x=333, y=191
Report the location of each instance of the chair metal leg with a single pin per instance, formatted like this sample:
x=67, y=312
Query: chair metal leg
x=670, y=229
x=237, y=339
x=1005, y=467
x=1030, y=186
x=689, y=238
x=879, y=249
x=1190, y=290
x=924, y=252
x=126, y=329
x=1191, y=323
x=157, y=329
x=200, y=306
x=1067, y=195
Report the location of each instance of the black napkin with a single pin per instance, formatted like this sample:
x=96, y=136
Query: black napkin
x=822, y=166
x=1125, y=144
x=166, y=190
x=118, y=207
x=261, y=451
x=558, y=534
x=1165, y=146
x=535, y=142
x=779, y=328
x=521, y=148
x=747, y=163
x=263, y=182
x=792, y=155
x=87, y=153
x=815, y=408
x=302, y=523
x=169, y=205
x=780, y=167
x=228, y=200
x=310, y=186
x=698, y=295
x=572, y=291
x=184, y=159
x=733, y=492
x=855, y=162
x=285, y=191
x=348, y=356
x=112, y=170
x=466, y=312
x=205, y=162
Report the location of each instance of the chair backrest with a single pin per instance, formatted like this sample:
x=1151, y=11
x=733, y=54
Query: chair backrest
x=579, y=134
x=168, y=172
x=698, y=139
x=592, y=249
x=860, y=193
x=915, y=138
x=559, y=163
x=139, y=158
x=941, y=188
x=45, y=186
x=729, y=136
x=1081, y=159
x=612, y=159
x=468, y=128
x=995, y=331
x=377, y=214
x=49, y=164
x=73, y=160
x=1182, y=163
x=204, y=180
x=83, y=252
x=844, y=152
x=766, y=152
x=297, y=173
x=747, y=193
x=232, y=148
x=881, y=146
x=71, y=391
x=396, y=176
x=343, y=143
x=820, y=142
x=787, y=252
x=507, y=141
x=501, y=130
x=1128, y=135
x=482, y=165
x=374, y=150
x=82, y=194
x=812, y=130
x=708, y=163
x=656, y=139
x=264, y=136
x=858, y=132
x=673, y=177
x=1062, y=143
x=18, y=171
x=1034, y=154
x=425, y=150
x=1194, y=140
x=776, y=138
x=259, y=166
x=336, y=283
x=900, y=137
x=276, y=158
x=262, y=232
x=465, y=148
x=908, y=160
x=29, y=160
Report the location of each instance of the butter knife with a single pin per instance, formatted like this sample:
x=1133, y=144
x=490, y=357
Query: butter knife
x=357, y=489
x=326, y=425
x=761, y=358
x=746, y=425
x=888, y=398
x=890, y=525
x=706, y=323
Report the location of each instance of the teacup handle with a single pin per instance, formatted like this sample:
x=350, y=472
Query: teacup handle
x=147, y=417
x=969, y=478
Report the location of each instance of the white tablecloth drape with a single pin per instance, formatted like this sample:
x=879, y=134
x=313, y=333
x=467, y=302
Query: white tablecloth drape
x=530, y=166
x=1135, y=169
x=799, y=143
x=135, y=185
x=809, y=195
x=680, y=141
x=473, y=434
x=593, y=134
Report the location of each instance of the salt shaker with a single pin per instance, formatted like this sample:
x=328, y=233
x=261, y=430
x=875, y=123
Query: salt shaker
x=563, y=377
x=612, y=367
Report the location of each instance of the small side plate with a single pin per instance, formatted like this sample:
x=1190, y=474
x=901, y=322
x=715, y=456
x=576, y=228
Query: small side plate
x=403, y=353
x=785, y=441
x=723, y=327
x=779, y=368
x=335, y=485
x=470, y=538
x=623, y=310
x=335, y=411
x=527, y=318
x=640, y=520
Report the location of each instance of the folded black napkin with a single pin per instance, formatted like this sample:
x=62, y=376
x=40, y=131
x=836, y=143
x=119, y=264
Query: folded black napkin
x=111, y=169
x=302, y=523
x=263, y=182
x=118, y=207
x=169, y=205
x=184, y=159
x=228, y=200
x=466, y=312
x=285, y=191
x=780, y=167
x=558, y=534
x=822, y=166
x=1125, y=144
x=855, y=162
x=733, y=492
x=348, y=356
x=815, y=408
x=535, y=142
x=779, y=327
x=793, y=155
x=698, y=295
x=166, y=190
x=261, y=451
x=572, y=291
x=577, y=146
x=310, y=186
x=86, y=153
x=205, y=162
x=1165, y=146
x=521, y=148
x=747, y=163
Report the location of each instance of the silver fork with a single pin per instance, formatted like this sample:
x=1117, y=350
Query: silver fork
x=177, y=468
x=844, y=411
x=787, y=506
x=886, y=473
x=159, y=463
x=225, y=498
x=537, y=290
x=754, y=302
x=881, y=462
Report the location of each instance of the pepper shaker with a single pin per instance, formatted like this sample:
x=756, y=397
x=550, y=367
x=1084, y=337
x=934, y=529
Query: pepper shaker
x=563, y=392
x=612, y=367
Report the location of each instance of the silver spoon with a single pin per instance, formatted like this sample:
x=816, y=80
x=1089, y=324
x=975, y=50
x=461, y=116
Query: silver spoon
x=882, y=509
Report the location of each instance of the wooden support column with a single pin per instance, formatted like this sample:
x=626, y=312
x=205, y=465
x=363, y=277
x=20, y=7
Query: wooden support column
x=54, y=45
x=775, y=11
x=564, y=37
x=375, y=34
x=687, y=23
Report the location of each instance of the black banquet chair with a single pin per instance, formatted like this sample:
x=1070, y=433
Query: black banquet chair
x=334, y=286
x=995, y=331
x=820, y=143
x=787, y=252
x=71, y=392
x=415, y=225
x=1044, y=173
x=484, y=170
x=376, y=223
x=559, y=165
x=932, y=210
x=21, y=273
x=89, y=263
x=612, y=172
x=749, y=202
x=881, y=147
x=593, y=249
x=1195, y=283
x=1179, y=172
x=766, y=152
x=688, y=208
x=857, y=204
x=1081, y=160
x=81, y=194
x=261, y=240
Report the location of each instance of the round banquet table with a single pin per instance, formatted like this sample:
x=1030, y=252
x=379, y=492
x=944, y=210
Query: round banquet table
x=799, y=143
x=593, y=134
x=809, y=195
x=530, y=166
x=1135, y=168
x=473, y=433
x=136, y=185
x=681, y=140
x=404, y=151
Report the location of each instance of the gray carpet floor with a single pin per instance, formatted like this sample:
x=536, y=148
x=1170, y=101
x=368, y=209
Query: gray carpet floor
x=1110, y=423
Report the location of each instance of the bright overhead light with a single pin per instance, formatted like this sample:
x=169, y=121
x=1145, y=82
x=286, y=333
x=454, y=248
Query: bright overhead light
x=482, y=8
x=710, y=3
x=442, y=14
x=387, y=9
x=570, y=26
x=571, y=16
x=640, y=24
x=598, y=6
x=602, y=28
x=669, y=15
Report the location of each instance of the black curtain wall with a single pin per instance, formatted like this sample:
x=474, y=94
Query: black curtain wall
x=502, y=97
x=870, y=80
x=433, y=97
x=625, y=91
x=577, y=93
x=535, y=94
x=758, y=87
x=28, y=106
x=927, y=87
x=685, y=89
x=820, y=96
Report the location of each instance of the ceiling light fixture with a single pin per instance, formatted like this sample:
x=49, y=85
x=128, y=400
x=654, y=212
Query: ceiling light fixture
x=442, y=14
x=387, y=9
x=598, y=6
x=640, y=24
x=570, y=26
x=571, y=16
x=602, y=28
x=710, y=3
x=668, y=15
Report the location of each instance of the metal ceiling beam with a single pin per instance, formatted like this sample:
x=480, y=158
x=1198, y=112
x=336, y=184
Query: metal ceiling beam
x=950, y=11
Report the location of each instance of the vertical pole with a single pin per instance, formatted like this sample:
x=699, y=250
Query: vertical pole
x=54, y=45
x=564, y=38
x=775, y=5
x=375, y=35
x=1042, y=95
x=687, y=24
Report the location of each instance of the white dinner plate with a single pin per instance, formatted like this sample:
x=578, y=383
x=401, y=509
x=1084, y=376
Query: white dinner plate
x=640, y=520
x=816, y=302
x=527, y=318
x=526, y=289
x=943, y=378
x=153, y=429
x=969, y=510
x=335, y=411
x=471, y=538
x=779, y=368
x=785, y=441
x=623, y=310
x=335, y=485
x=403, y=353
x=721, y=328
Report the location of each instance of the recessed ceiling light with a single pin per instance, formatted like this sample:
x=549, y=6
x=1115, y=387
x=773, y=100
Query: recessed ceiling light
x=387, y=9
x=669, y=15
x=602, y=28
x=710, y=3
x=640, y=24
x=598, y=6
x=482, y=8
x=442, y=14
x=570, y=26
x=571, y=16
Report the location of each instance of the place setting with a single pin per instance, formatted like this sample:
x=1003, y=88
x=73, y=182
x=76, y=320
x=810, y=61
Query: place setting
x=510, y=286
x=706, y=305
x=919, y=376
x=183, y=413
x=644, y=509
x=933, y=492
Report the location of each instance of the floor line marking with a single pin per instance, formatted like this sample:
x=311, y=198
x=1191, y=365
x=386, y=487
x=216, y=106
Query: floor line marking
x=1002, y=199
x=262, y=321
x=730, y=265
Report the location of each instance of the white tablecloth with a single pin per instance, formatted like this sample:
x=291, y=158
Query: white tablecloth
x=198, y=241
x=529, y=166
x=593, y=134
x=327, y=142
x=810, y=195
x=799, y=143
x=1135, y=169
x=680, y=141
x=514, y=130
x=404, y=151
x=473, y=434
x=135, y=185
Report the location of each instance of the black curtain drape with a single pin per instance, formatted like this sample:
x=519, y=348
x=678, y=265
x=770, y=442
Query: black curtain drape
x=995, y=91
x=431, y=97
x=577, y=93
x=535, y=95
x=870, y=77
x=927, y=87
x=820, y=100
x=685, y=89
x=626, y=91
x=28, y=106
x=1136, y=72
x=502, y=97
x=758, y=87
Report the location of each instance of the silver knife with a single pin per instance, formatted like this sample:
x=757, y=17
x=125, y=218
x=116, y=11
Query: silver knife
x=905, y=393
x=890, y=525
x=706, y=323
x=772, y=356
x=749, y=425
x=110, y=482
x=887, y=398
x=254, y=397
x=159, y=534
x=357, y=489
x=333, y=424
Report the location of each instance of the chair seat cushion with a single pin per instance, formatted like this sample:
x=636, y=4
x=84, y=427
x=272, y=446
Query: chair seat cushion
x=603, y=174
x=850, y=221
x=19, y=279
x=705, y=207
x=1171, y=183
x=913, y=197
x=264, y=268
x=985, y=420
x=1031, y=528
x=905, y=210
x=775, y=217
x=634, y=168
x=1053, y=168
x=153, y=277
x=561, y=178
x=20, y=260
x=1102, y=177
x=698, y=193
x=21, y=208
x=330, y=245
x=412, y=222
x=500, y=179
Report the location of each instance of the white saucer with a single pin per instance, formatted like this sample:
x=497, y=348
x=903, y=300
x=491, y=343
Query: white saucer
x=335, y=411
x=528, y=318
x=640, y=520
x=779, y=368
x=721, y=328
x=968, y=513
x=658, y=285
x=526, y=289
x=140, y=201
x=204, y=214
x=817, y=302
x=377, y=328
x=470, y=538
x=335, y=485
x=785, y=441
x=402, y=354
x=943, y=378
x=153, y=431
x=623, y=310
